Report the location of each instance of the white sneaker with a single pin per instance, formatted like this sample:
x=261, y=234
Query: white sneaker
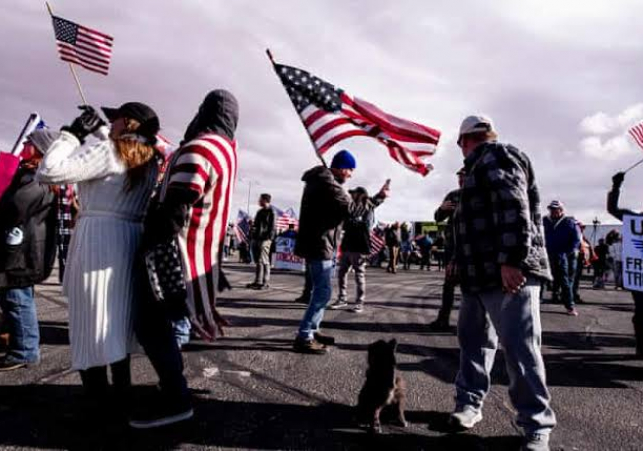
x=535, y=442
x=359, y=308
x=339, y=304
x=466, y=417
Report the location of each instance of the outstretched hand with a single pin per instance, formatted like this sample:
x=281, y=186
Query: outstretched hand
x=385, y=191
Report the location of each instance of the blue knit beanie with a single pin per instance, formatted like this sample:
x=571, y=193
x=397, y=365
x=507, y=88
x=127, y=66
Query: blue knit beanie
x=343, y=160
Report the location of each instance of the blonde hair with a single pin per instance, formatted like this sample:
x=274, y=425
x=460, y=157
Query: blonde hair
x=137, y=157
x=135, y=154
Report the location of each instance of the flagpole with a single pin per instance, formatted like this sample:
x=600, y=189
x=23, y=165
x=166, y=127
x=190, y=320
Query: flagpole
x=632, y=167
x=71, y=66
x=321, y=158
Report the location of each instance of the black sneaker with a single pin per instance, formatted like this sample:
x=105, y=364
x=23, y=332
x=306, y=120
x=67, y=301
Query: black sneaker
x=303, y=300
x=9, y=364
x=304, y=346
x=253, y=286
x=439, y=326
x=164, y=415
x=326, y=340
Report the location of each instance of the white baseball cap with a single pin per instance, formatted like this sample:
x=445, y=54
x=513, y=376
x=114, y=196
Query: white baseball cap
x=476, y=123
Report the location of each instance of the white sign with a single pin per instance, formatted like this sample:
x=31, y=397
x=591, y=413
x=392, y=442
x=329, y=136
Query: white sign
x=285, y=257
x=633, y=253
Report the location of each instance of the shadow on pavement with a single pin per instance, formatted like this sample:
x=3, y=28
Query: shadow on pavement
x=50, y=416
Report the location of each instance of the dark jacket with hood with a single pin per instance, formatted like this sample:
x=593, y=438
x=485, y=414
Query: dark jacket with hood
x=27, y=231
x=219, y=113
x=324, y=207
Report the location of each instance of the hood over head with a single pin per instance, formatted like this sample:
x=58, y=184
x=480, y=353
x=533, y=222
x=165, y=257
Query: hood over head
x=43, y=138
x=219, y=113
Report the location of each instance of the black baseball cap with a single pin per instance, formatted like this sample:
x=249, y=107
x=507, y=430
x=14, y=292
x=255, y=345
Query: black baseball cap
x=138, y=111
x=359, y=190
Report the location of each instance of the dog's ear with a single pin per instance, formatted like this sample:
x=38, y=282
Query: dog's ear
x=393, y=344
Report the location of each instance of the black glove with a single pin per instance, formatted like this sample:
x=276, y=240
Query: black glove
x=87, y=123
x=618, y=179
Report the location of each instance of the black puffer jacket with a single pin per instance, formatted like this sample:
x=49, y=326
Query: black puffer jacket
x=324, y=207
x=27, y=208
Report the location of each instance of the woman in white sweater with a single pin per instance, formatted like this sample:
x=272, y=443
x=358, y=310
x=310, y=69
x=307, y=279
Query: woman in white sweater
x=115, y=179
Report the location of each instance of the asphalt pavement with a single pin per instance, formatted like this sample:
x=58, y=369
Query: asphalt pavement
x=252, y=392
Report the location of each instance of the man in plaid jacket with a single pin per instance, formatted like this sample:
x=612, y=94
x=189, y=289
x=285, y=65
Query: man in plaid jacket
x=501, y=260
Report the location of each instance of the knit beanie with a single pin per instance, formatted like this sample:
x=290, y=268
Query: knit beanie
x=343, y=160
x=43, y=138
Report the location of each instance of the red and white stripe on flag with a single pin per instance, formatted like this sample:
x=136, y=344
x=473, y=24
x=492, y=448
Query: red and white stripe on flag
x=408, y=143
x=84, y=46
x=636, y=132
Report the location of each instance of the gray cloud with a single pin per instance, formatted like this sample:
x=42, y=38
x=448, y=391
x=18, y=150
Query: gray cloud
x=537, y=67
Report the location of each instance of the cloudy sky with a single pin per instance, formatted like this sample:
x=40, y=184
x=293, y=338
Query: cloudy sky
x=562, y=81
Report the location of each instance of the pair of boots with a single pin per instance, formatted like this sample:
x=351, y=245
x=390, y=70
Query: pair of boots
x=262, y=277
x=99, y=397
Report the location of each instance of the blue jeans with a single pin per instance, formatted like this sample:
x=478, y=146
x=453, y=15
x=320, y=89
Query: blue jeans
x=563, y=268
x=21, y=322
x=494, y=316
x=321, y=274
x=182, y=328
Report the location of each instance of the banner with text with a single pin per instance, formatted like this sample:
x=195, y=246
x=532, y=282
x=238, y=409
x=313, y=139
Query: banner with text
x=633, y=253
x=285, y=257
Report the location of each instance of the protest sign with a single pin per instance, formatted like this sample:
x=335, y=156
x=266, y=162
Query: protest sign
x=285, y=257
x=633, y=252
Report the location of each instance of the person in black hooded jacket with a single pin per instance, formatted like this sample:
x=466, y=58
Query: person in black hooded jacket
x=324, y=207
x=192, y=186
x=27, y=252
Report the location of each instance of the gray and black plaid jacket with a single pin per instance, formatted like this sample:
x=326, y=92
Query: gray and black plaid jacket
x=498, y=219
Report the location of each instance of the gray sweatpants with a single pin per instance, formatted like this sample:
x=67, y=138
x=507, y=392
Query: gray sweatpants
x=356, y=261
x=515, y=319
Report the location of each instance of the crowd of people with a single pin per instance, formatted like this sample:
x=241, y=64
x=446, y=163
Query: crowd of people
x=150, y=234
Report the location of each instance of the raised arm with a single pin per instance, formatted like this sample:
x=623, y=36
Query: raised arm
x=66, y=162
x=613, y=196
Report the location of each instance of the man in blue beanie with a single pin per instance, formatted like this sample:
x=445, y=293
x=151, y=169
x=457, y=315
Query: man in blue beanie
x=324, y=207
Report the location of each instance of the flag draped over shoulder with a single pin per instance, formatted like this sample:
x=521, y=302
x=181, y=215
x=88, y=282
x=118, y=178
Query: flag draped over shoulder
x=331, y=115
x=84, y=46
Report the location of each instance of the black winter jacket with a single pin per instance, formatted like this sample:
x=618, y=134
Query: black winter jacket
x=357, y=228
x=324, y=207
x=263, y=228
x=27, y=208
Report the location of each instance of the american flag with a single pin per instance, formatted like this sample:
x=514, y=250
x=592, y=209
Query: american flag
x=636, y=132
x=330, y=115
x=285, y=218
x=377, y=241
x=242, y=227
x=88, y=48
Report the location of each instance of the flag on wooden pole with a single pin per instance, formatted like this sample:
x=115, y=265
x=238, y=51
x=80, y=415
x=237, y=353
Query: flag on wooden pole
x=84, y=46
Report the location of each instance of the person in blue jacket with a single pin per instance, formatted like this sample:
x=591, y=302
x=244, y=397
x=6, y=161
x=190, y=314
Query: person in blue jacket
x=563, y=239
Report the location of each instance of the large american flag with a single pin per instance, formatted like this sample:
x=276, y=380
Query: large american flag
x=636, y=132
x=330, y=115
x=80, y=45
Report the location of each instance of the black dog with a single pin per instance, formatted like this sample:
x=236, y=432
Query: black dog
x=383, y=386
